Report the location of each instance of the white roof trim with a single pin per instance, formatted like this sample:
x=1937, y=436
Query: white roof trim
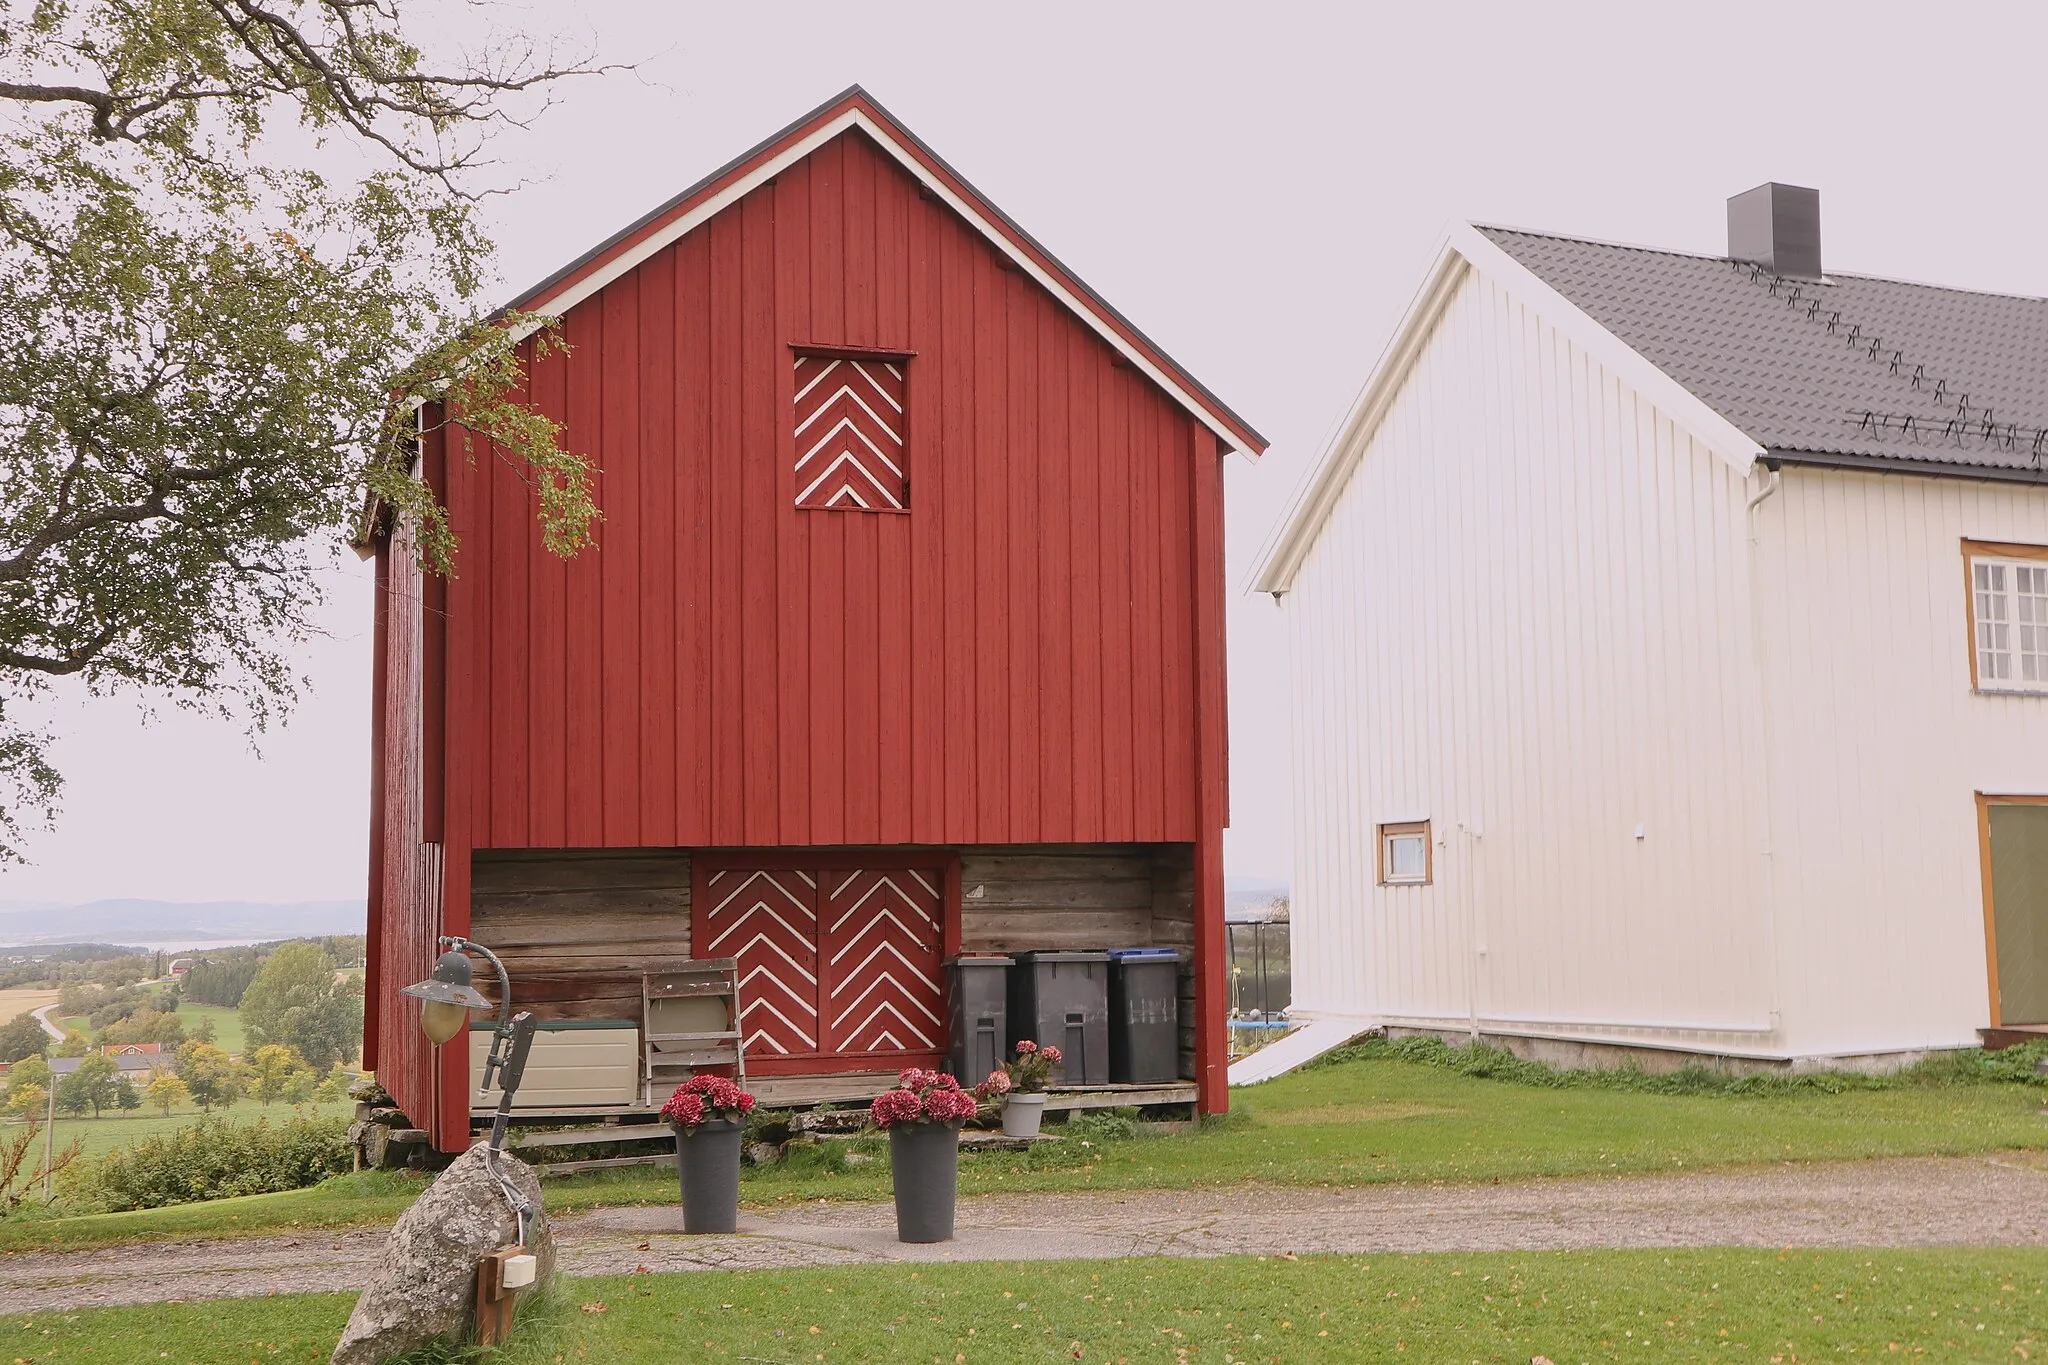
x=1465, y=247
x=567, y=297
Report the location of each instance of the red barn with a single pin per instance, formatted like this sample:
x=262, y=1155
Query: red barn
x=906, y=615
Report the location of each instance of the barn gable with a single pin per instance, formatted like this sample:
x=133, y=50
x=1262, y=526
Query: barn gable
x=854, y=109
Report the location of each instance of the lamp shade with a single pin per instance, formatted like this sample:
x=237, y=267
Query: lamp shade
x=447, y=996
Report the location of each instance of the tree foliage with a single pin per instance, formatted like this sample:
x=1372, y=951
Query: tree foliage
x=95, y=1085
x=166, y=1091
x=209, y=1074
x=219, y=981
x=213, y=352
x=21, y=1037
x=298, y=1001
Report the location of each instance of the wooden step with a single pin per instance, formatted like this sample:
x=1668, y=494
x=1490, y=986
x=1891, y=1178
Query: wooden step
x=2011, y=1035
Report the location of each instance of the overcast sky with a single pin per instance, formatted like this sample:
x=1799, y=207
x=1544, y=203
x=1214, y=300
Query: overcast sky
x=1258, y=186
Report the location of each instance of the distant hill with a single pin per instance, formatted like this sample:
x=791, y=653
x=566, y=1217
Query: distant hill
x=30, y=924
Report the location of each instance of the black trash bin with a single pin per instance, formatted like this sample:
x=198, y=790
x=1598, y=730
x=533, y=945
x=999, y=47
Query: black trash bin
x=1063, y=999
x=1144, y=1015
x=977, y=1015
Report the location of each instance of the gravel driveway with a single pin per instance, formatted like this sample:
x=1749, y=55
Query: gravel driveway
x=1922, y=1201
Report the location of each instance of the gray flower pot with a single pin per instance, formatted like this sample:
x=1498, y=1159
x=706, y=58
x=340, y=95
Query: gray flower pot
x=708, y=1165
x=1022, y=1114
x=924, y=1164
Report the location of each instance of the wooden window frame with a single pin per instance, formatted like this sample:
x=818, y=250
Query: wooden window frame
x=883, y=355
x=1985, y=801
x=1403, y=829
x=2009, y=551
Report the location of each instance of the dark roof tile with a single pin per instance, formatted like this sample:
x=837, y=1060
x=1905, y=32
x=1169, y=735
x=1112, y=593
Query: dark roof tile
x=1830, y=368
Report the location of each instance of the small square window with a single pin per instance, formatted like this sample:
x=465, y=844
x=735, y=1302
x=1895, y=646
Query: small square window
x=1405, y=854
x=849, y=433
x=2008, y=617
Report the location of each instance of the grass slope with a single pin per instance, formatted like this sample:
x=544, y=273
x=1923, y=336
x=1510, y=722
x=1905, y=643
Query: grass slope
x=1360, y=1122
x=1646, y=1306
x=114, y=1129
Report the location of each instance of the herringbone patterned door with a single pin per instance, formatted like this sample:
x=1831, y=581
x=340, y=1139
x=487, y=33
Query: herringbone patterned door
x=768, y=921
x=881, y=991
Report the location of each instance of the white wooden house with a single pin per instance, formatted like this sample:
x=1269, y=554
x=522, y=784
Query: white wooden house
x=1669, y=644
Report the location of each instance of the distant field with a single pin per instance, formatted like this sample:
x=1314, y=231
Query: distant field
x=13, y=1002
x=125, y=1130
x=227, y=1024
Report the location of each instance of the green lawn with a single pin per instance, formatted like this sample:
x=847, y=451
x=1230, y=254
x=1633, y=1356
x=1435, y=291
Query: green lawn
x=1358, y=1123
x=227, y=1024
x=1650, y=1306
x=115, y=1129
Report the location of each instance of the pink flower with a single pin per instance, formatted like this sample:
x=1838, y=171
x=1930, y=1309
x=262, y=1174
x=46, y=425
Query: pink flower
x=998, y=1082
x=1053, y=1054
x=683, y=1110
x=948, y=1106
x=895, y=1106
x=1027, y=1047
x=705, y=1097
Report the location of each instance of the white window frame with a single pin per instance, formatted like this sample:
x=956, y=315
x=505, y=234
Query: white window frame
x=2008, y=614
x=1405, y=829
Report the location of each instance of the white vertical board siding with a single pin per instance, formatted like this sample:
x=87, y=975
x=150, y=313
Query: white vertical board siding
x=1878, y=748
x=1526, y=620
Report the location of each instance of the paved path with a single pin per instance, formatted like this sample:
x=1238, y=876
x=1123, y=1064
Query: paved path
x=42, y=1016
x=1926, y=1201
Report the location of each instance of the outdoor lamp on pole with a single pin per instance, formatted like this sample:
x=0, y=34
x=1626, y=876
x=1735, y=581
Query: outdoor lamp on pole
x=449, y=997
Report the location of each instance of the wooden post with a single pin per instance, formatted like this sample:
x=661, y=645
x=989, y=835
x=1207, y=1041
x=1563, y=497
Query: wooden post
x=1212, y=801
x=493, y=1300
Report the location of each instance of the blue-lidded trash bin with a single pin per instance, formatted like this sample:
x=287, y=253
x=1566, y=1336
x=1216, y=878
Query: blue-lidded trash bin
x=1144, y=1015
x=1063, y=999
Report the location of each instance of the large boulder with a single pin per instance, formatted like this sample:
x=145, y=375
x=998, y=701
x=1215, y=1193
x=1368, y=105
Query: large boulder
x=425, y=1284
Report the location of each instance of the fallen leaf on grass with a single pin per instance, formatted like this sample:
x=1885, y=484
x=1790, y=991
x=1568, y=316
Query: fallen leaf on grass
x=593, y=1308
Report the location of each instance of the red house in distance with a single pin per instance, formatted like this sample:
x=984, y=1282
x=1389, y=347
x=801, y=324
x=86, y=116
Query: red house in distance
x=903, y=637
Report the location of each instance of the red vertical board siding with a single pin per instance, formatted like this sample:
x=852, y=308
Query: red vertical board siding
x=792, y=544
x=618, y=560
x=1026, y=544
x=1013, y=659
x=730, y=652
x=404, y=884
x=380, y=771
x=583, y=632
x=546, y=643
x=766, y=490
x=655, y=741
x=693, y=581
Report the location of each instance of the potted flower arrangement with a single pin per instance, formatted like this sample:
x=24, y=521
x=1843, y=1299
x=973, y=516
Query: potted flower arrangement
x=1019, y=1084
x=922, y=1116
x=708, y=1114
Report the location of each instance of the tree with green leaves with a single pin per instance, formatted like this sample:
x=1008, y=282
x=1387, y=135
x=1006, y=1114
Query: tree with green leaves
x=299, y=1000
x=209, y=1074
x=22, y=1037
x=30, y=1070
x=27, y=1100
x=95, y=1085
x=273, y=1066
x=166, y=1091
x=333, y=1087
x=240, y=258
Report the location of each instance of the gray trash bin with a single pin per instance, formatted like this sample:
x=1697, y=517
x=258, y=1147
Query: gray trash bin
x=1063, y=999
x=977, y=1013
x=1144, y=1015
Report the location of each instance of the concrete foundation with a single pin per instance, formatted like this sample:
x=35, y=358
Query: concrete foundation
x=1569, y=1054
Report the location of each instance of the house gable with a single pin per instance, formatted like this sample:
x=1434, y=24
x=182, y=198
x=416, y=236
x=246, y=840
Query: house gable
x=1465, y=250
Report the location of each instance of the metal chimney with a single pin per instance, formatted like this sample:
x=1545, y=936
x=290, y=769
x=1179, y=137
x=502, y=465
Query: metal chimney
x=1777, y=227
